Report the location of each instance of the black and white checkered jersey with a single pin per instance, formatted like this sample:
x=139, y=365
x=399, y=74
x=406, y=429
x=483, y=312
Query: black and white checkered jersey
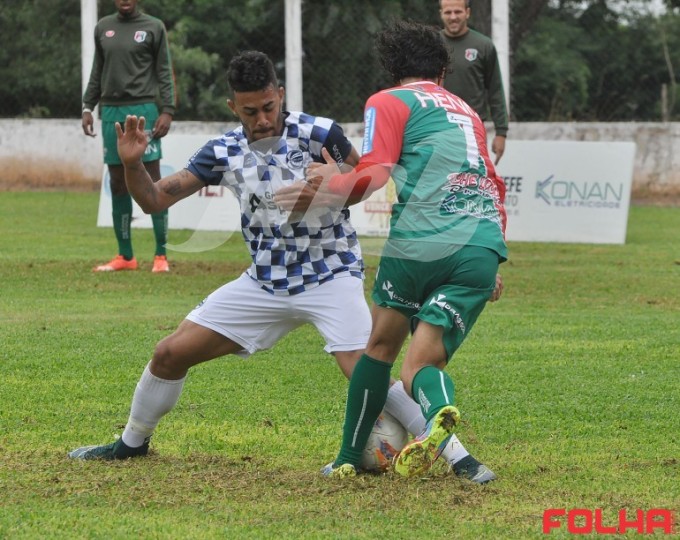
x=291, y=252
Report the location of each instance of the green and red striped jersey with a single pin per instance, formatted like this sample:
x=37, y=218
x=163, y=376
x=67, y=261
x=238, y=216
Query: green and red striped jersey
x=434, y=145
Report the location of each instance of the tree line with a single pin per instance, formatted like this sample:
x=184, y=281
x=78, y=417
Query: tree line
x=581, y=60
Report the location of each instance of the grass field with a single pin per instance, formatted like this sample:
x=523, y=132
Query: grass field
x=569, y=388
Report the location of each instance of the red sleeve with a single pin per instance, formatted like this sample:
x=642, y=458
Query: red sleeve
x=385, y=118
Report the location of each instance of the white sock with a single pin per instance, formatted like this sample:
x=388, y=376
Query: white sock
x=408, y=412
x=153, y=398
x=454, y=451
x=404, y=409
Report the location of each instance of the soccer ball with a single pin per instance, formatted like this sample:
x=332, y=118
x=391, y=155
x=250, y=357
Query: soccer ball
x=386, y=440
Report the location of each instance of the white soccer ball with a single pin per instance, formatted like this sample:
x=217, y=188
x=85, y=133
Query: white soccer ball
x=385, y=441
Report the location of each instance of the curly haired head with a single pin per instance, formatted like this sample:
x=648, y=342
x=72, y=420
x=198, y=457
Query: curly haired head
x=250, y=71
x=410, y=49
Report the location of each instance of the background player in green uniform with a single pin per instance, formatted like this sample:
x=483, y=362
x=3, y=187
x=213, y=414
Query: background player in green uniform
x=439, y=266
x=474, y=73
x=131, y=69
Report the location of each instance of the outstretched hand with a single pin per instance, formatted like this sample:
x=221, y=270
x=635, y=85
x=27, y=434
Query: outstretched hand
x=313, y=191
x=132, y=142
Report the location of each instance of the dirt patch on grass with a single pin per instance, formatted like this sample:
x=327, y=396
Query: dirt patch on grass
x=656, y=196
x=44, y=175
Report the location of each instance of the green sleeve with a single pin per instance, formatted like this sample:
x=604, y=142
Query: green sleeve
x=93, y=92
x=164, y=74
x=496, y=94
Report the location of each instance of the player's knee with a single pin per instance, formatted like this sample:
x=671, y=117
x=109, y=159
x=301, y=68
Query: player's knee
x=164, y=363
x=383, y=349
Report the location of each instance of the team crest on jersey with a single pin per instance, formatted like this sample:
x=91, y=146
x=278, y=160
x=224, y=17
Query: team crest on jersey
x=110, y=33
x=140, y=36
x=249, y=161
x=295, y=159
x=471, y=54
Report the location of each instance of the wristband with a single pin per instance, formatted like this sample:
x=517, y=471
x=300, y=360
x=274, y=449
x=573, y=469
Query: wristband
x=87, y=110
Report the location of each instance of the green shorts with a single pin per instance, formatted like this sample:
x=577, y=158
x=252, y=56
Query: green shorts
x=111, y=115
x=450, y=292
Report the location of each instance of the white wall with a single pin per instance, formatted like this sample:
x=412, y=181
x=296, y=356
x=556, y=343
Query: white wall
x=59, y=149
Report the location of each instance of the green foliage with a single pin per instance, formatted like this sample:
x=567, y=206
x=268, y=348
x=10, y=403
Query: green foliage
x=586, y=62
x=569, y=389
x=340, y=67
x=560, y=92
x=40, y=58
x=203, y=86
x=668, y=36
x=204, y=35
x=635, y=62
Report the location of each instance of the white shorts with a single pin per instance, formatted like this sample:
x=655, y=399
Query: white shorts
x=255, y=319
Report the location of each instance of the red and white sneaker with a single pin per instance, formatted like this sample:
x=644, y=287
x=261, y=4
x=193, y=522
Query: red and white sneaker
x=160, y=264
x=116, y=264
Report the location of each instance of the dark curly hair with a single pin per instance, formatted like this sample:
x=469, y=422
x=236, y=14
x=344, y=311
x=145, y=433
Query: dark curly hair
x=250, y=71
x=410, y=49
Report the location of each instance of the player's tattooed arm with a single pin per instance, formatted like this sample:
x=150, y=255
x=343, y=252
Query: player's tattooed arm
x=181, y=184
x=176, y=187
x=156, y=197
x=151, y=197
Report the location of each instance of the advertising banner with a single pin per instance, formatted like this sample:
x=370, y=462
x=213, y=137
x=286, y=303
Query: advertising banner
x=557, y=191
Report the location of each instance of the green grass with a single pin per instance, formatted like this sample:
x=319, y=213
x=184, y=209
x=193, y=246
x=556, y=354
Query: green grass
x=569, y=387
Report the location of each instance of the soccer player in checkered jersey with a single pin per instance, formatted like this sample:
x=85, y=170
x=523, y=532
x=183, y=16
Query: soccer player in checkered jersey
x=439, y=265
x=305, y=268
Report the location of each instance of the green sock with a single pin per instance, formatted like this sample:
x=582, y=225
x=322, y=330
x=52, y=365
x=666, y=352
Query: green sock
x=365, y=399
x=432, y=389
x=122, y=217
x=160, y=230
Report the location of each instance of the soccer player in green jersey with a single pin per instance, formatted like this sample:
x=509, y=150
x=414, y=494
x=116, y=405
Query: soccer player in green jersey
x=131, y=66
x=439, y=266
x=474, y=73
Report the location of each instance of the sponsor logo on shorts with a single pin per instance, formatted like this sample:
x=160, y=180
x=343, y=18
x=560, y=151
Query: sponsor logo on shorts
x=389, y=289
x=442, y=303
x=152, y=147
